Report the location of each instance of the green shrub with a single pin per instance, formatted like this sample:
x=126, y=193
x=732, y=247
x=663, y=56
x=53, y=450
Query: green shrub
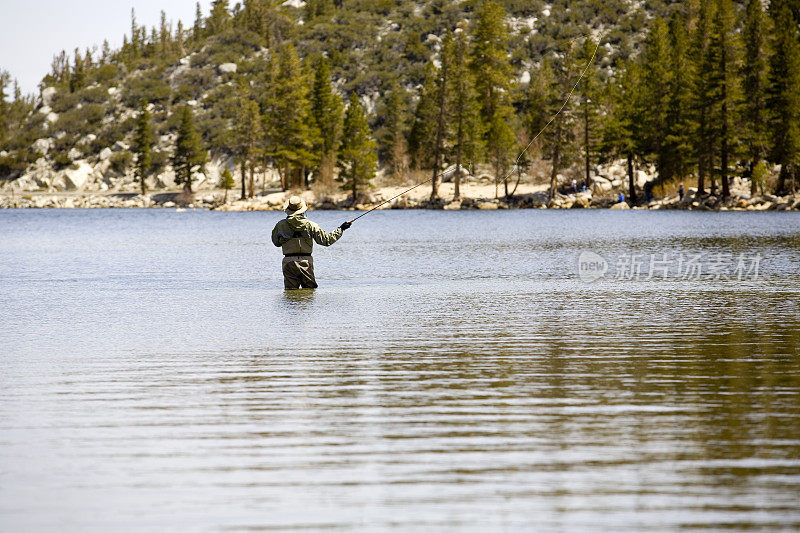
x=153, y=90
x=121, y=161
x=77, y=119
x=64, y=101
x=104, y=74
x=94, y=95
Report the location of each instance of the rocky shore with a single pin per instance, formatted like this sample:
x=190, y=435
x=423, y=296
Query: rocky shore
x=274, y=201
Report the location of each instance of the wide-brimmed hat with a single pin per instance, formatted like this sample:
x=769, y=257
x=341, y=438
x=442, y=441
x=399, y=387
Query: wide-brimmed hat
x=296, y=206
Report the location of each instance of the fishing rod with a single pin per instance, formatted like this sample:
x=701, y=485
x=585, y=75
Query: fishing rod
x=522, y=153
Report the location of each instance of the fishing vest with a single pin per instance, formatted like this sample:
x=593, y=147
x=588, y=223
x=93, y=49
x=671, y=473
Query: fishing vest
x=300, y=243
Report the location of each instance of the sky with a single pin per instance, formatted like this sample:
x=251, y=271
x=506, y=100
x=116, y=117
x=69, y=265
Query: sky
x=33, y=31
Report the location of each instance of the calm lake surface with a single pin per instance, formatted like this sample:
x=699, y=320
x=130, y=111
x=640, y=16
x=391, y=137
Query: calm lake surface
x=453, y=372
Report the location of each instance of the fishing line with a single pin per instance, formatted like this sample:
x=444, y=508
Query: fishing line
x=522, y=153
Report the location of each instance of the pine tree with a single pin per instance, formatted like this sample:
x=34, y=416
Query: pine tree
x=134, y=36
x=189, y=154
x=546, y=105
x=442, y=84
x=226, y=182
x=78, y=78
x=467, y=130
x=393, y=142
x=723, y=84
x=701, y=65
x=357, y=156
x=422, y=134
x=179, y=38
x=143, y=146
x=326, y=107
x=248, y=135
x=5, y=77
x=784, y=97
x=657, y=80
x=219, y=19
x=679, y=120
x=754, y=75
x=105, y=52
x=493, y=75
x=198, y=30
x=589, y=88
x=623, y=121
x=290, y=130
x=164, y=35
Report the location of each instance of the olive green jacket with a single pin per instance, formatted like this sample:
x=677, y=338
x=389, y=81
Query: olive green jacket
x=296, y=234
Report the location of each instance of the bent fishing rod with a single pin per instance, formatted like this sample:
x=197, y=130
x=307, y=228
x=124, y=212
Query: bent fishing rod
x=522, y=153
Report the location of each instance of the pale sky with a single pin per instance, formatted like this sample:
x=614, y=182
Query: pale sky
x=33, y=31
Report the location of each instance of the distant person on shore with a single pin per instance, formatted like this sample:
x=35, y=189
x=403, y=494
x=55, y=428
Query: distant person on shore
x=297, y=235
x=648, y=191
x=621, y=198
x=574, y=185
x=680, y=191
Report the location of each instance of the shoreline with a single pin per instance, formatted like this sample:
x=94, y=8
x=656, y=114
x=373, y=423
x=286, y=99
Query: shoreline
x=474, y=197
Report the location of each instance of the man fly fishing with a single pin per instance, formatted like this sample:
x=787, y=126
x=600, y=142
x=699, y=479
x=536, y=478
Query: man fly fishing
x=296, y=235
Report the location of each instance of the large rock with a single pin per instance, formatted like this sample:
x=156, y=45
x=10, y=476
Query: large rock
x=25, y=183
x=641, y=178
x=74, y=178
x=42, y=145
x=620, y=205
x=47, y=95
x=601, y=184
x=105, y=153
x=228, y=68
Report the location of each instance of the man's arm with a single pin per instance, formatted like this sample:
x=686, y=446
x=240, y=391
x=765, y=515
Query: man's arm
x=323, y=238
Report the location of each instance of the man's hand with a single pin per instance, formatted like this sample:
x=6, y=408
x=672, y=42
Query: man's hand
x=345, y=226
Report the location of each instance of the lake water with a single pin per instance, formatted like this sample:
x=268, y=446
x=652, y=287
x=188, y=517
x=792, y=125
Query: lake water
x=453, y=372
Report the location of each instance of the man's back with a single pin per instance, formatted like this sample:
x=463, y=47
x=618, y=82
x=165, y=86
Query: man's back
x=296, y=235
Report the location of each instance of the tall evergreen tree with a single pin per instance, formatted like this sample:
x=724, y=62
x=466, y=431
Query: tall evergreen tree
x=679, y=118
x=493, y=75
x=589, y=99
x=198, y=30
x=657, y=79
x=248, y=134
x=723, y=85
x=754, y=85
x=143, y=146
x=623, y=121
x=467, y=128
x=289, y=127
x=78, y=78
x=423, y=131
x=357, y=156
x=5, y=77
x=392, y=141
x=326, y=107
x=442, y=104
x=546, y=105
x=134, y=44
x=784, y=97
x=219, y=20
x=189, y=155
x=701, y=65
